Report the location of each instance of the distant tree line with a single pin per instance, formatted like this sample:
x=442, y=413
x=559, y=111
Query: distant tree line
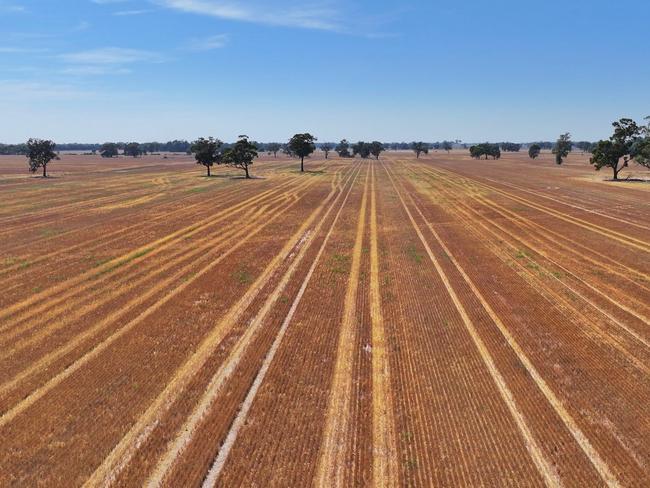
x=11, y=149
x=510, y=147
x=183, y=146
x=629, y=142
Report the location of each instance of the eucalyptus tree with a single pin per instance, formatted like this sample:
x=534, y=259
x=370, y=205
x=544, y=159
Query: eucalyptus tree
x=534, y=150
x=274, y=147
x=420, y=148
x=562, y=147
x=376, y=148
x=241, y=155
x=343, y=149
x=326, y=148
x=302, y=146
x=39, y=154
x=207, y=152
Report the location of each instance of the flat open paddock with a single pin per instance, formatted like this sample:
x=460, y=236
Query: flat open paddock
x=401, y=322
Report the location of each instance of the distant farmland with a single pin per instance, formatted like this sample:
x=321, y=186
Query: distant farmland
x=403, y=322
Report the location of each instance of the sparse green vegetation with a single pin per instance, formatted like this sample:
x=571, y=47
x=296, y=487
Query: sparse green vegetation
x=413, y=253
x=340, y=263
x=243, y=276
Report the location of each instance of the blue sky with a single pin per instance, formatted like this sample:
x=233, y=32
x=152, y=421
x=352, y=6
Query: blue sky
x=96, y=70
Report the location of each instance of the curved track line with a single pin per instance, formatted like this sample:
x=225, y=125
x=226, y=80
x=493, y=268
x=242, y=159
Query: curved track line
x=164, y=263
x=545, y=255
x=604, y=231
x=552, y=236
x=603, y=336
x=562, y=202
x=211, y=246
x=114, y=236
x=35, y=395
x=128, y=258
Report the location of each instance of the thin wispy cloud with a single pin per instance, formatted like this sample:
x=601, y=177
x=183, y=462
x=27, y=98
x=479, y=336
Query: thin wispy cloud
x=208, y=43
x=12, y=8
x=21, y=50
x=91, y=70
x=82, y=26
x=124, y=13
x=112, y=56
x=296, y=14
x=106, y=61
x=19, y=89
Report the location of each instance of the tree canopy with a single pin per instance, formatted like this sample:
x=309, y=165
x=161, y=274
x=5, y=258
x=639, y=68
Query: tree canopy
x=641, y=152
x=376, y=148
x=510, y=147
x=562, y=147
x=39, y=154
x=343, y=149
x=485, y=149
x=584, y=146
x=326, y=148
x=420, y=148
x=534, y=150
x=608, y=154
x=302, y=146
x=132, y=149
x=109, y=150
x=628, y=142
x=207, y=152
x=274, y=147
x=241, y=155
x=446, y=145
x=362, y=149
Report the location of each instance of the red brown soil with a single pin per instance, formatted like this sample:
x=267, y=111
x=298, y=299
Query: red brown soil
x=515, y=297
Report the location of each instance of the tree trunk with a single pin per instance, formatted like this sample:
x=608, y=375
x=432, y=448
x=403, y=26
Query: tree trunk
x=208, y=170
x=247, y=175
x=616, y=170
x=45, y=171
x=302, y=164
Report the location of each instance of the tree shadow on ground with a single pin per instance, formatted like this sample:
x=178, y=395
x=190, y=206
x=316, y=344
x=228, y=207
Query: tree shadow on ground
x=628, y=180
x=308, y=172
x=213, y=176
x=240, y=177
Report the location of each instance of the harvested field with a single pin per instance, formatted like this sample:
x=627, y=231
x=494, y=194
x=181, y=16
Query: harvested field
x=403, y=322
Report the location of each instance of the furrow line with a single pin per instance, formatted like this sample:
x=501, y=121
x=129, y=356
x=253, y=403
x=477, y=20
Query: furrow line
x=331, y=464
x=189, y=429
x=126, y=261
x=41, y=391
x=609, y=233
x=545, y=468
x=543, y=465
x=385, y=469
x=119, y=458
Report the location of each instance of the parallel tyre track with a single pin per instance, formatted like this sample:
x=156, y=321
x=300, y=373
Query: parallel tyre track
x=35, y=395
x=542, y=463
x=121, y=455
